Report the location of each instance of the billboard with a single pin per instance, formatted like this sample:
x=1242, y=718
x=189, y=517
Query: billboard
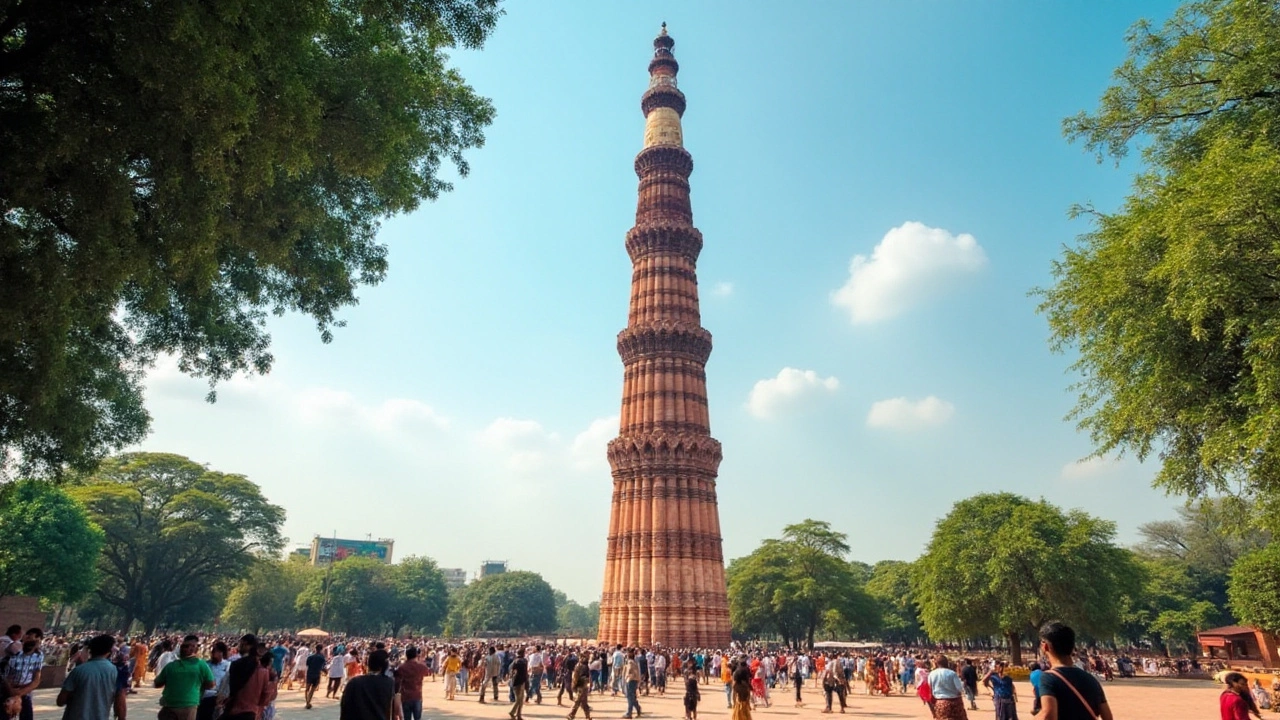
x=325, y=550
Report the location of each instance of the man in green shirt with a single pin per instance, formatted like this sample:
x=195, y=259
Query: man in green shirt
x=183, y=680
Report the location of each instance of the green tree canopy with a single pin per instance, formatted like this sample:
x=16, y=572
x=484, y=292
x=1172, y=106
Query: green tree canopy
x=353, y=596
x=580, y=619
x=1255, y=588
x=890, y=587
x=1204, y=541
x=48, y=545
x=174, y=171
x=1000, y=564
x=266, y=599
x=420, y=598
x=174, y=529
x=512, y=602
x=794, y=585
x=1171, y=300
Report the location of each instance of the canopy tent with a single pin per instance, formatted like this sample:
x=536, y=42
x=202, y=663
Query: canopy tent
x=312, y=632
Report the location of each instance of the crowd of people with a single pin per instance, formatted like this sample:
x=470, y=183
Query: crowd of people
x=210, y=677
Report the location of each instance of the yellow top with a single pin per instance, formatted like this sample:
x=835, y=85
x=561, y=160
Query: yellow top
x=662, y=127
x=451, y=664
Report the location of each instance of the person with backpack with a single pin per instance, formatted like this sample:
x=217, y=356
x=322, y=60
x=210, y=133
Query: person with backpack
x=1066, y=691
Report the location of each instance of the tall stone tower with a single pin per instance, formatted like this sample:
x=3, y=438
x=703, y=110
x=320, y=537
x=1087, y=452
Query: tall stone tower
x=664, y=571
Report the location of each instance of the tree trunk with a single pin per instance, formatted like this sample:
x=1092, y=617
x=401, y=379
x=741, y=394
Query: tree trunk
x=813, y=628
x=127, y=625
x=1015, y=648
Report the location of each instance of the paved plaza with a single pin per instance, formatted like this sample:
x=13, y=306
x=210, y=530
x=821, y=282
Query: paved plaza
x=1140, y=699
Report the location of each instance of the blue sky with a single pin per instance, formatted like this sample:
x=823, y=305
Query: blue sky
x=464, y=409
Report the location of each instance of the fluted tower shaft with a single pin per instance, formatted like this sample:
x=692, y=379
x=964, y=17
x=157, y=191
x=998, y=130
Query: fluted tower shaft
x=664, y=571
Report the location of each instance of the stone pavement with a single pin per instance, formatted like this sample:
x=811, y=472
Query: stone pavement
x=1140, y=699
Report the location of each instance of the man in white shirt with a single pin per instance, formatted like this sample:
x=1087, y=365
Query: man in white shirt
x=218, y=665
x=167, y=655
x=337, y=668
x=537, y=668
x=299, y=665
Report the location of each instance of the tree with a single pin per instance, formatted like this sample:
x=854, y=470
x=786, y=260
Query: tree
x=794, y=585
x=266, y=599
x=1164, y=606
x=890, y=587
x=1205, y=540
x=48, y=545
x=175, y=171
x=420, y=598
x=1171, y=300
x=1000, y=564
x=174, y=530
x=1255, y=588
x=578, y=619
x=354, y=595
x=511, y=602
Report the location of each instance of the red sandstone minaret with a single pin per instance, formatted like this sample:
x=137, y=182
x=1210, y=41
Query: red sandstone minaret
x=664, y=571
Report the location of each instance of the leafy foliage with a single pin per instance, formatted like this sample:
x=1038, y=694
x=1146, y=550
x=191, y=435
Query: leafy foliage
x=794, y=585
x=1000, y=564
x=514, y=602
x=1255, y=588
x=1172, y=300
x=174, y=171
x=174, y=530
x=419, y=598
x=579, y=619
x=354, y=596
x=48, y=546
x=890, y=587
x=266, y=598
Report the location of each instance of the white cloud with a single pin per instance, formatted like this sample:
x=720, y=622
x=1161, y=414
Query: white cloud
x=903, y=414
x=771, y=395
x=1088, y=468
x=525, y=444
x=722, y=289
x=910, y=264
x=588, y=448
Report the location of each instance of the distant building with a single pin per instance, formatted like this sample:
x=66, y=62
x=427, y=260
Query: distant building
x=492, y=567
x=454, y=577
x=303, y=552
x=325, y=550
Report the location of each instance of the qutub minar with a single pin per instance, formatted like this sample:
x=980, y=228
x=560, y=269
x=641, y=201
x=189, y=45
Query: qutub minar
x=664, y=572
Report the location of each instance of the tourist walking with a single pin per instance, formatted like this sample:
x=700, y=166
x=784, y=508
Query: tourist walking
x=519, y=685
x=337, y=670
x=1066, y=691
x=218, y=666
x=492, y=673
x=741, y=690
x=370, y=696
x=969, y=682
x=249, y=687
x=92, y=689
x=1003, y=693
x=315, y=668
x=582, y=686
x=408, y=678
x=452, y=664
x=631, y=679
x=182, y=681
x=1034, y=679
x=537, y=667
x=946, y=689
x=691, y=696
x=833, y=683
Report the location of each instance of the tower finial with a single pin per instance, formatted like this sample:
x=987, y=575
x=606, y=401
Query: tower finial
x=664, y=28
